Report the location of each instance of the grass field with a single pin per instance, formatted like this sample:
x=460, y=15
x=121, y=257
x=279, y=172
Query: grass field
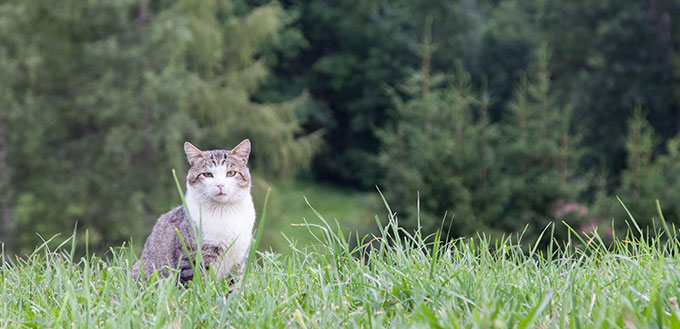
x=382, y=282
x=287, y=208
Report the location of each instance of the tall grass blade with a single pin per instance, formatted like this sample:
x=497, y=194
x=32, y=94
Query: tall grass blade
x=533, y=315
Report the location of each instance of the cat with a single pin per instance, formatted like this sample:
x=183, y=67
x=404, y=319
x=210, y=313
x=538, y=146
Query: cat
x=219, y=206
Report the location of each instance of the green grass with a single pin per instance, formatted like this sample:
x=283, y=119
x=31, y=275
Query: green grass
x=288, y=208
x=413, y=282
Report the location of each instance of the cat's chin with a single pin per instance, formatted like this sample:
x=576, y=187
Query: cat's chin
x=224, y=199
x=221, y=198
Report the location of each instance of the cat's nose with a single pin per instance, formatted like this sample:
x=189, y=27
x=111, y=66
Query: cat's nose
x=220, y=186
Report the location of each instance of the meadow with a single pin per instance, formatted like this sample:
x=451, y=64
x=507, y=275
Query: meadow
x=347, y=280
x=289, y=206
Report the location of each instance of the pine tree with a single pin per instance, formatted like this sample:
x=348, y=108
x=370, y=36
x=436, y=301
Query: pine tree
x=646, y=178
x=541, y=154
x=28, y=125
x=225, y=61
x=440, y=153
x=423, y=157
x=118, y=87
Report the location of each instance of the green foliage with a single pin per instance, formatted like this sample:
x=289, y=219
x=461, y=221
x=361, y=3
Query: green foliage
x=97, y=96
x=101, y=95
x=540, y=154
x=511, y=33
x=440, y=155
x=381, y=282
x=615, y=55
x=645, y=179
x=354, y=49
x=494, y=177
x=351, y=49
x=607, y=58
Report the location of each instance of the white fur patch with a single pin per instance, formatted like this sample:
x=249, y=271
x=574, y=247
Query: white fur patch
x=227, y=224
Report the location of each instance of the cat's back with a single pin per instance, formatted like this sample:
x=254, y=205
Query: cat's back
x=175, y=218
x=163, y=244
x=164, y=233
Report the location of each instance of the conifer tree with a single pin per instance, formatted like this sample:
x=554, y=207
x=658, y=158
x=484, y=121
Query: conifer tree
x=440, y=153
x=645, y=179
x=118, y=87
x=424, y=156
x=541, y=153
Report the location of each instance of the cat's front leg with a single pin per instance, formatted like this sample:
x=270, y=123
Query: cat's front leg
x=211, y=255
x=186, y=270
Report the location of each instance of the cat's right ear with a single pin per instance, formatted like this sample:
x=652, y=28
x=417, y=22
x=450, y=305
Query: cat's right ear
x=193, y=153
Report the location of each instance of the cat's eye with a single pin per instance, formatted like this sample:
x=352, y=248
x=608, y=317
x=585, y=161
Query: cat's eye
x=231, y=173
x=207, y=174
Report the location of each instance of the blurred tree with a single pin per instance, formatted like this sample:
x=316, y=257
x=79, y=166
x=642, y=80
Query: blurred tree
x=28, y=127
x=441, y=153
x=431, y=154
x=351, y=51
x=607, y=57
x=645, y=179
x=541, y=155
x=97, y=95
x=444, y=147
x=117, y=87
x=612, y=55
x=511, y=32
x=6, y=192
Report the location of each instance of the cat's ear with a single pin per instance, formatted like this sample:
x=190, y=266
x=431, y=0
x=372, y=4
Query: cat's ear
x=242, y=150
x=193, y=153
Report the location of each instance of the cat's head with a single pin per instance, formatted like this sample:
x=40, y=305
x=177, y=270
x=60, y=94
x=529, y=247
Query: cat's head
x=219, y=176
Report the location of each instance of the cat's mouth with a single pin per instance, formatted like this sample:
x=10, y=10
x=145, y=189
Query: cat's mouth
x=221, y=198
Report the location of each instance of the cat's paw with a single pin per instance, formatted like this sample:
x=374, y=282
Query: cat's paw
x=186, y=274
x=186, y=271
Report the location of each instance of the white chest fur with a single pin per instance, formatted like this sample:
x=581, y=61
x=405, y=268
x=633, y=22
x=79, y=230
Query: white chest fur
x=226, y=225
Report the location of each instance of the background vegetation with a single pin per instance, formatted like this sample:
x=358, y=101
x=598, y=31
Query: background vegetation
x=497, y=113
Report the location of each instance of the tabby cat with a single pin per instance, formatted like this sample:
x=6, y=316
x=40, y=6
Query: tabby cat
x=218, y=205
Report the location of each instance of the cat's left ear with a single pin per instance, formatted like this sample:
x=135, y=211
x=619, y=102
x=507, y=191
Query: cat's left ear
x=193, y=153
x=242, y=150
